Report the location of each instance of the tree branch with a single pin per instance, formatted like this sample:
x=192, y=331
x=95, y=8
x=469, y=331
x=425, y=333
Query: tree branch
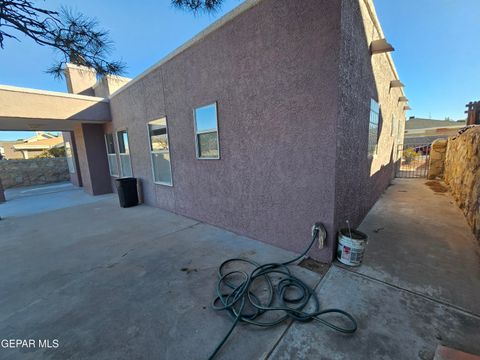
x=75, y=37
x=198, y=5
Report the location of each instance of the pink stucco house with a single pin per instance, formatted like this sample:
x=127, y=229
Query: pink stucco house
x=281, y=114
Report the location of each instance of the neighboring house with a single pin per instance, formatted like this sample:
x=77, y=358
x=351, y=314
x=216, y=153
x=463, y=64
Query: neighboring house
x=420, y=131
x=41, y=135
x=8, y=152
x=31, y=147
x=281, y=114
x=38, y=144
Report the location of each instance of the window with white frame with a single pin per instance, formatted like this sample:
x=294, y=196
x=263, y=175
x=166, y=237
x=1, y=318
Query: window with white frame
x=69, y=156
x=124, y=154
x=160, y=151
x=206, y=132
x=373, y=128
x=111, y=155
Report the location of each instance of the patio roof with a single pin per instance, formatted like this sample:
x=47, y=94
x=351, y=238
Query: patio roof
x=31, y=109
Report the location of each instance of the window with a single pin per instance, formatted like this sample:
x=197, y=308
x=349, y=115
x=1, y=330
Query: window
x=373, y=128
x=206, y=132
x=111, y=155
x=69, y=156
x=124, y=154
x=160, y=151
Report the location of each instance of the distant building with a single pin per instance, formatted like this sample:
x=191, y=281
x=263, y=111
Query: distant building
x=424, y=131
x=31, y=147
x=7, y=151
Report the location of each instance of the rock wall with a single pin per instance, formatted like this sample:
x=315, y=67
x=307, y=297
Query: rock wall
x=16, y=173
x=436, y=165
x=462, y=174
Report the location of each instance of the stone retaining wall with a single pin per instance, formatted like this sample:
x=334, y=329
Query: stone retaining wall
x=437, y=159
x=462, y=174
x=17, y=173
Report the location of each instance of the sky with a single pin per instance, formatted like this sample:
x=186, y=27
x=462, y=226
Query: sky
x=436, y=53
x=436, y=47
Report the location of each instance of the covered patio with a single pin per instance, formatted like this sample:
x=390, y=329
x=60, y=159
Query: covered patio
x=79, y=117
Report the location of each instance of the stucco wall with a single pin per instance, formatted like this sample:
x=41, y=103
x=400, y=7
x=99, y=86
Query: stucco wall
x=293, y=82
x=273, y=72
x=108, y=84
x=16, y=173
x=92, y=158
x=75, y=177
x=361, y=179
x=462, y=174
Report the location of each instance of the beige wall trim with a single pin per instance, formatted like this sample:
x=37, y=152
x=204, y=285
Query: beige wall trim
x=52, y=93
x=248, y=4
x=373, y=16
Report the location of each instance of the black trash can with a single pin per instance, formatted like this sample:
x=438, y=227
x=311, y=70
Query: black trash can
x=127, y=191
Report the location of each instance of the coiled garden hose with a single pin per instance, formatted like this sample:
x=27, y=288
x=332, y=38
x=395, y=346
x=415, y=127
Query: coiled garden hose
x=250, y=296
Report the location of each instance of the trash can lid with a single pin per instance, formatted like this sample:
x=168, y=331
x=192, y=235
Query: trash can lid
x=126, y=180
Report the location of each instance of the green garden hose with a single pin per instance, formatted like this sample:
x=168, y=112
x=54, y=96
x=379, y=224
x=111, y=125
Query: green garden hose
x=248, y=296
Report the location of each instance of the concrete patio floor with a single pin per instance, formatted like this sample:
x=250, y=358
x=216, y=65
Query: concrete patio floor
x=41, y=198
x=108, y=283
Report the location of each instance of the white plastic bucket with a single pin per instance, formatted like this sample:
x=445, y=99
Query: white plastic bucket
x=351, y=246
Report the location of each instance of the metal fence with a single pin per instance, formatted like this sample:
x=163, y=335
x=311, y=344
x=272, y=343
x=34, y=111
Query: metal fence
x=413, y=160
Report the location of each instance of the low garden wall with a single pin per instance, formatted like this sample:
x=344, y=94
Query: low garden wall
x=462, y=174
x=16, y=173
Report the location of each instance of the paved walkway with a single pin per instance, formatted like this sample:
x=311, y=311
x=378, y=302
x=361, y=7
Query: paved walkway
x=419, y=285
x=137, y=283
x=421, y=242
